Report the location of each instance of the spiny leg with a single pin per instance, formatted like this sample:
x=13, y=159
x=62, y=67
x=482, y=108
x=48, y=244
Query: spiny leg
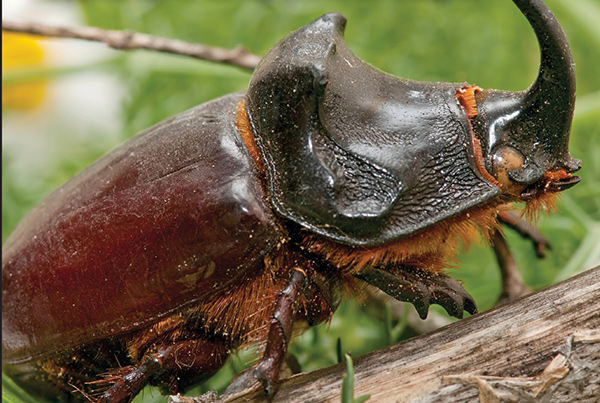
x=171, y=367
x=513, y=285
x=421, y=288
x=131, y=383
x=280, y=331
x=526, y=230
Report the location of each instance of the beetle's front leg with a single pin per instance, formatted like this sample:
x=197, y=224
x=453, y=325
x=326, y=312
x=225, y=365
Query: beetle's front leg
x=421, y=288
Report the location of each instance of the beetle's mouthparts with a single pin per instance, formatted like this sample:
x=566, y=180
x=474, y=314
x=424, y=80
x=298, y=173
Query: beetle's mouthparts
x=556, y=181
x=563, y=184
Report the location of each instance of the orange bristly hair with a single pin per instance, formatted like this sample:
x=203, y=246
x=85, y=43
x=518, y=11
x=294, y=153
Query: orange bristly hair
x=546, y=198
x=546, y=202
x=430, y=249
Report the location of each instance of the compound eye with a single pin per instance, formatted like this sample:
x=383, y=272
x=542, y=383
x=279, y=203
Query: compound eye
x=506, y=159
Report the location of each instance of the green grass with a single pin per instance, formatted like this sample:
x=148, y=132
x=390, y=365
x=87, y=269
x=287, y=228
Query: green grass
x=485, y=43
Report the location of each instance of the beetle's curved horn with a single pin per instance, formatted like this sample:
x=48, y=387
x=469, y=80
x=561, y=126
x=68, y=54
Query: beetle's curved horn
x=533, y=126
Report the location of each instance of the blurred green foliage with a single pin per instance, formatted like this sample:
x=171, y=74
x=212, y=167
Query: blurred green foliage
x=485, y=43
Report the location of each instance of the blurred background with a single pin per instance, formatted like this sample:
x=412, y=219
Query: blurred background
x=67, y=102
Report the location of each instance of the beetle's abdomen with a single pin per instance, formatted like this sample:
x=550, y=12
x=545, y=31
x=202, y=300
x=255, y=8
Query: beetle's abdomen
x=164, y=221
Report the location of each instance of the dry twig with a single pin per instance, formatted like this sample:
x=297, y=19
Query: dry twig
x=131, y=40
x=542, y=347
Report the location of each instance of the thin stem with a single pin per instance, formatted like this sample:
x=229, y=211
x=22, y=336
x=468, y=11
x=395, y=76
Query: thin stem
x=238, y=56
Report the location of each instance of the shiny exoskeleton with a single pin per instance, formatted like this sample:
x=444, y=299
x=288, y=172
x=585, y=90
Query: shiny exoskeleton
x=247, y=217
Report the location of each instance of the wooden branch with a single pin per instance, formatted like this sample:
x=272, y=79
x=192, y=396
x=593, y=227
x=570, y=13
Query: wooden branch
x=130, y=40
x=542, y=347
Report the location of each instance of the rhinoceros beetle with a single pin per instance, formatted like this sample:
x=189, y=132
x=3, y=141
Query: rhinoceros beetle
x=241, y=219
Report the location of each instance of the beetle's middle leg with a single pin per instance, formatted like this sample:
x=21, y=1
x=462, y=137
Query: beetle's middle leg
x=278, y=337
x=280, y=332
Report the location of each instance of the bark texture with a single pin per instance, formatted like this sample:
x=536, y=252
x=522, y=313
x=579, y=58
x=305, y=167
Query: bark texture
x=544, y=347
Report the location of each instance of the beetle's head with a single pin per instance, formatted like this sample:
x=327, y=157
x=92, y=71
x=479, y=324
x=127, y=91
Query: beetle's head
x=525, y=135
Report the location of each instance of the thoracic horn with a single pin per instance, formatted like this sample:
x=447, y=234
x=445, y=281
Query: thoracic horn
x=525, y=135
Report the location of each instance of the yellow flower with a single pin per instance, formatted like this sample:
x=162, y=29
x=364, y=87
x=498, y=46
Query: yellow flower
x=20, y=53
